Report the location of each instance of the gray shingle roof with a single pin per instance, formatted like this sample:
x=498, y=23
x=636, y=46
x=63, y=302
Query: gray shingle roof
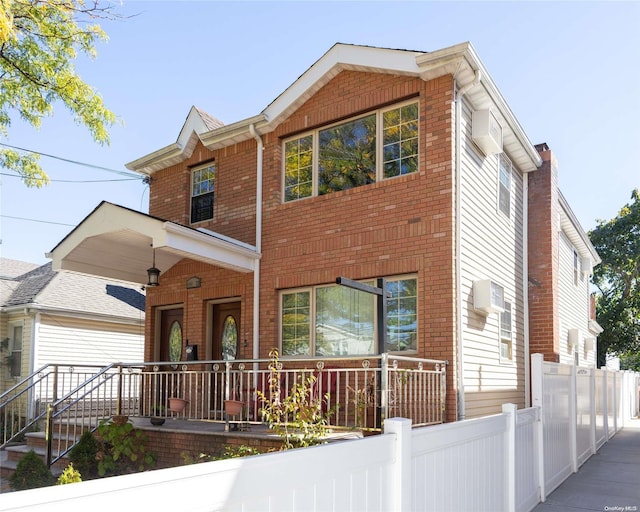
x=75, y=293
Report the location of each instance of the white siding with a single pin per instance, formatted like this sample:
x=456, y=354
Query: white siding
x=491, y=248
x=573, y=306
x=76, y=341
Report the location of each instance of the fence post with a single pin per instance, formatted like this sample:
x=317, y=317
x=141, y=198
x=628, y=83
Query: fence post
x=592, y=410
x=605, y=404
x=573, y=419
x=537, y=395
x=615, y=402
x=511, y=412
x=399, y=498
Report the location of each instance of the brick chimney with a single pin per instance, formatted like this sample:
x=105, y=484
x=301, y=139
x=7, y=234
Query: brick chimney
x=543, y=227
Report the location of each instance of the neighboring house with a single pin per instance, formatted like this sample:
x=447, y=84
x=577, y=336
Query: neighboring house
x=375, y=163
x=49, y=317
x=561, y=259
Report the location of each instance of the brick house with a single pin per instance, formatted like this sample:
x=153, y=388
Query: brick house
x=375, y=163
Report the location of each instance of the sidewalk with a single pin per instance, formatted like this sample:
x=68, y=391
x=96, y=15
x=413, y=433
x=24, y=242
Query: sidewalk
x=608, y=482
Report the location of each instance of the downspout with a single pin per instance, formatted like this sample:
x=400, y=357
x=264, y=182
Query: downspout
x=525, y=287
x=458, y=168
x=256, y=272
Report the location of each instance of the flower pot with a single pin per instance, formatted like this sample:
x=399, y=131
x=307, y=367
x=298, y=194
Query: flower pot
x=177, y=404
x=233, y=407
x=157, y=421
x=119, y=419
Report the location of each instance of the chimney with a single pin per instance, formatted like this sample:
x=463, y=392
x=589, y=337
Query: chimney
x=543, y=227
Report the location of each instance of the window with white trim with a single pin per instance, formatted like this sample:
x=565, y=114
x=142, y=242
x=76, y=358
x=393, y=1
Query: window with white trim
x=504, y=192
x=202, y=191
x=347, y=154
x=334, y=320
x=15, y=356
x=506, y=333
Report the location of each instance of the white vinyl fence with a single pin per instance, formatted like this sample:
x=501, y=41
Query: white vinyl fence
x=509, y=461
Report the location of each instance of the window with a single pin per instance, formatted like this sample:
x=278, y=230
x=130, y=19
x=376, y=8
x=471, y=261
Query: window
x=347, y=155
x=504, y=194
x=506, y=335
x=202, y=189
x=576, y=268
x=15, y=358
x=336, y=321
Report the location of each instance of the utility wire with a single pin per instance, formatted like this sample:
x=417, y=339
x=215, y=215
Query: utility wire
x=74, y=181
x=37, y=220
x=75, y=162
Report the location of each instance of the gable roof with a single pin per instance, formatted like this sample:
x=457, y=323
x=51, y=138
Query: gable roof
x=13, y=268
x=119, y=243
x=460, y=60
x=63, y=292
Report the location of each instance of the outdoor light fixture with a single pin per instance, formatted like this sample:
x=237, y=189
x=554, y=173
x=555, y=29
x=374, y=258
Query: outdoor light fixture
x=153, y=272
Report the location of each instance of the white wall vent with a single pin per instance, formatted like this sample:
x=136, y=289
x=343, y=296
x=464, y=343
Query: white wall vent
x=574, y=338
x=488, y=297
x=486, y=132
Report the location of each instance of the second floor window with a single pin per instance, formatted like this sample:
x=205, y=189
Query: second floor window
x=504, y=194
x=202, y=192
x=349, y=154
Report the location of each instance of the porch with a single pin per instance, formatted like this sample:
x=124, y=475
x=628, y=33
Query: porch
x=355, y=394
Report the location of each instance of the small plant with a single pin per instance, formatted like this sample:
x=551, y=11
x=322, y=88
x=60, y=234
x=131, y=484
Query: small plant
x=84, y=455
x=70, y=475
x=31, y=472
x=364, y=399
x=123, y=449
x=230, y=452
x=298, y=418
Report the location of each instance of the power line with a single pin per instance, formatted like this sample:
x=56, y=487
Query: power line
x=75, y=162
x=37, y=220
x=74, y=181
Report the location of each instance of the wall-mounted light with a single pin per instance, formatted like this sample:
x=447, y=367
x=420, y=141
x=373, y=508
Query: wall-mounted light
x=153, y=272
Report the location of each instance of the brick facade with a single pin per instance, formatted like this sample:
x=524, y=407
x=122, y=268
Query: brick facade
x=398, y=226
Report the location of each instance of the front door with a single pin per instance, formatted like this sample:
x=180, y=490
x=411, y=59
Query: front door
x=226, y=331
x=171, y=344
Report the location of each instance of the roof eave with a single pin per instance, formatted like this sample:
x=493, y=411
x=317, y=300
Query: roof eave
x=463, y=62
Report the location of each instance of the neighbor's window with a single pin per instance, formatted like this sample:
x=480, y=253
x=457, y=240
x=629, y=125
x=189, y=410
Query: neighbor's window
x=506, y=335
x=335, y=320
x=504, y=194
x=347, y=155
x=202, y=190
x=15, y=358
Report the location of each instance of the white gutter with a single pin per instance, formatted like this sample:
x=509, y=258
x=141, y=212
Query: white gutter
x=256, y=272
x=458, y=168
x=525, y=286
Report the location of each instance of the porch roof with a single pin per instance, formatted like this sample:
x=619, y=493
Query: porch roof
x=117, y=242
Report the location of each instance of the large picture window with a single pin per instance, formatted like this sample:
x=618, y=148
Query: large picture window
x=202, y=190
x=339, y=321
x=348, y=155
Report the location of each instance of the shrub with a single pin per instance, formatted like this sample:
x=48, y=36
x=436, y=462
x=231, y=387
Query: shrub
x=31, y=472
x=70, y=475
x=123, y=450
x=298, y=417
x=84, y=456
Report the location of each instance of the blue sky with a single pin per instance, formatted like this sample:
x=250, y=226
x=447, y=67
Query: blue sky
x=570, y=72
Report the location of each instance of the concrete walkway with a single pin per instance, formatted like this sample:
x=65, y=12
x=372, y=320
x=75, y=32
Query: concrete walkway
x=608, y=482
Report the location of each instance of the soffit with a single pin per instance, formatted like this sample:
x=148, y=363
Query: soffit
x=118, y=243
